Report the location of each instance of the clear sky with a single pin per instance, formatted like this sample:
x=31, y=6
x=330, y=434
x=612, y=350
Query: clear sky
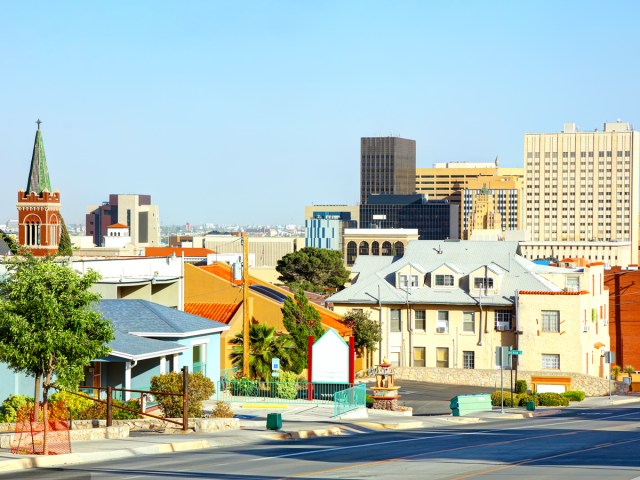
x=244, y=112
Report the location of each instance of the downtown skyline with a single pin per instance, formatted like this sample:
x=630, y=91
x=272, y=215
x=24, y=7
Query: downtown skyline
x=243, y=113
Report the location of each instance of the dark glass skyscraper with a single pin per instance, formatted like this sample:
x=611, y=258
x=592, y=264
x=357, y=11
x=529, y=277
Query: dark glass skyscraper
x=434, y=219
x=387, y=165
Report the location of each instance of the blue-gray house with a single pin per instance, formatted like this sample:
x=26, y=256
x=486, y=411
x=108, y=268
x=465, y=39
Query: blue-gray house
x=151, y=339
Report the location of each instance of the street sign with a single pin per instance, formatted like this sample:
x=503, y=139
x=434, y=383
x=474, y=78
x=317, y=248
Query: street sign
x=275, y=373
x=275, y=364
x=502, y=357
x=515, y=352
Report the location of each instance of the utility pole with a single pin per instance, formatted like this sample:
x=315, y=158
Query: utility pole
x=245, y=299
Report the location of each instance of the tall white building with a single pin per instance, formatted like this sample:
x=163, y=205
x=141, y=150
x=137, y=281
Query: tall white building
x=581, y=194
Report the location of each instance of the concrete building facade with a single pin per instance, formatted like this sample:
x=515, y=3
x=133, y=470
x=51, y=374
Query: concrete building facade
x=133, y=210
x=583, y=187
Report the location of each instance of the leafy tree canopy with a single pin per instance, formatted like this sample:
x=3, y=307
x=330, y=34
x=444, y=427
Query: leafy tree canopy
x=47, y=328
x=264, y=344
x=366, y=332
x=300, y=319
x=313, y=269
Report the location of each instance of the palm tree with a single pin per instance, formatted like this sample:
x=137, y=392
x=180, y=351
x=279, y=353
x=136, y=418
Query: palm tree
x=264, y=344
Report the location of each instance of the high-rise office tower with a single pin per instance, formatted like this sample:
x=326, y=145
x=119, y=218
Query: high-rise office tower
x=387, y=165
x=581, y=194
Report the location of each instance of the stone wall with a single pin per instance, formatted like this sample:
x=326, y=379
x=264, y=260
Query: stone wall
x=592, y=386
x=116, y=431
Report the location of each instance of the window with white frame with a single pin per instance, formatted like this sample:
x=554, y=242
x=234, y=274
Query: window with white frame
x=573, y=284
x=420, y=320
x=502, y=320
x=469, y=359
x=442, y=323
x=550, y=321
x=468, y=322
x=551, y=361
x=483, y=282
x=444, y=280
x=409, y=281
x=395, y=320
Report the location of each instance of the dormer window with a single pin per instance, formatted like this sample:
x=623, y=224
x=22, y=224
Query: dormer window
x=408, y=281
x=483, y=282
x=444, y=280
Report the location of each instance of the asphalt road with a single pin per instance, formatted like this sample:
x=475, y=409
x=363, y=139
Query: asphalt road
x=578, y=443
x=432, y=398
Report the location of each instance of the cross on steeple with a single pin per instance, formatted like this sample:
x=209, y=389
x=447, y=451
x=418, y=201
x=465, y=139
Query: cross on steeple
x=38, y=122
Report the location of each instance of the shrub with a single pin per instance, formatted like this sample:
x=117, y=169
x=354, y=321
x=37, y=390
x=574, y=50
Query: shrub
x=75, y=403
x=98, y=411
x=524, y=399
x=521, y=386
x=496, y=396
x=222, y=410
x=574, y=395
x=286, y=387
x=11, y=406
x=199, y=388
x=550, y=399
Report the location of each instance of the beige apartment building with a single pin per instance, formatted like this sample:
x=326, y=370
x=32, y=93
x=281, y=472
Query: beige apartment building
x=476, y=187
x=582, y=187
x=450, y=304
x=376, y=242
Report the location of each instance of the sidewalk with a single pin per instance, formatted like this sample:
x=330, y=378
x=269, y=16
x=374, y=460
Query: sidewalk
x=298, y=422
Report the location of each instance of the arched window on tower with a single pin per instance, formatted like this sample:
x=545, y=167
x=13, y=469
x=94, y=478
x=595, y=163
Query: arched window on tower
x=399, y=249
x=375, y=248
x=386, y=248
x=364, y=248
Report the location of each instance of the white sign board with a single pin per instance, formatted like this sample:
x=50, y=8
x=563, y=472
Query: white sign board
x=275, y=363
x=330, y=359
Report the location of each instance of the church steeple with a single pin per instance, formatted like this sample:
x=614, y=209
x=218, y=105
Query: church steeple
x=38, y=180
x=39, y=207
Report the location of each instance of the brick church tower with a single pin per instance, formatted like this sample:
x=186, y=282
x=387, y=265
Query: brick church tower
x=39, y=207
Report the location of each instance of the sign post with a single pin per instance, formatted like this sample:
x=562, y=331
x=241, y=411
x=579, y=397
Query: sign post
x=513, y=353
x=275, y=367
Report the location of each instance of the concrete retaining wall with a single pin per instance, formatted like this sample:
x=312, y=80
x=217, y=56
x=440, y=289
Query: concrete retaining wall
x=114, y=432
x=592, y=386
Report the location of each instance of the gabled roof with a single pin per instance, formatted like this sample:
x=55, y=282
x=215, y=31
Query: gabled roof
x=133, y=347
x=148, y=319
x=220, y=312
x=166, y=251
x=466, y=256
x=38, y=180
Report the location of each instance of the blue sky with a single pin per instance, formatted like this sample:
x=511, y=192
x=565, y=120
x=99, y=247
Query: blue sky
x=244, y=112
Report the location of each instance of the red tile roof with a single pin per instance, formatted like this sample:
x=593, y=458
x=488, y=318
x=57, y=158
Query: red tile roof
x=534, y=292
x=166, y=251
x=328, y=318
x=220, y=312
x=117, y=225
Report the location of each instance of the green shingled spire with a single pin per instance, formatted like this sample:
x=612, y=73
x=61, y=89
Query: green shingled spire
x=38, y=173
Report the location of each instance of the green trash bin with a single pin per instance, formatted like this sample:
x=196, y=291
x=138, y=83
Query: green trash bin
x=531, y=406
x=274, y=421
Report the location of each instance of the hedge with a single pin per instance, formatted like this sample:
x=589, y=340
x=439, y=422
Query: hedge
x=574, y=395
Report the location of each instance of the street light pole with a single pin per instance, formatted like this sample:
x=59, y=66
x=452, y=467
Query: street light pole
x=245, y=309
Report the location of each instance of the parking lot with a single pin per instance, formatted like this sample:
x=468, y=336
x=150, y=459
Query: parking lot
x=431, y=398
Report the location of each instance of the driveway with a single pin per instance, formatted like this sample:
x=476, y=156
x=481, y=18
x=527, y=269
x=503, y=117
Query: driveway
x=431, y=398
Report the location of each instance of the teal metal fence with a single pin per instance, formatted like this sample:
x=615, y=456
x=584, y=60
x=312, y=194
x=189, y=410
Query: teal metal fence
x=349, y=399
x=253, y=391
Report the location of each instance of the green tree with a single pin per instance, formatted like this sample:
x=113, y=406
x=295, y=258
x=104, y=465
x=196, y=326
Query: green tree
x=11, y=243
x=47, y=327
x=313, y=269
x=300, y=319
x=264, y=344
x=366, y=332
x=64, y=247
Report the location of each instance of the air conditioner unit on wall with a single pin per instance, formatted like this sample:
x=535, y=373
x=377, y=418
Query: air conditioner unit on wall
x=571, y=288
x=441, y=330
x=503, y=327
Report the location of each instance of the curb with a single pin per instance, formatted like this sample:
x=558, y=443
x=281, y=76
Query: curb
x=303, y=434
x=87, y=457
